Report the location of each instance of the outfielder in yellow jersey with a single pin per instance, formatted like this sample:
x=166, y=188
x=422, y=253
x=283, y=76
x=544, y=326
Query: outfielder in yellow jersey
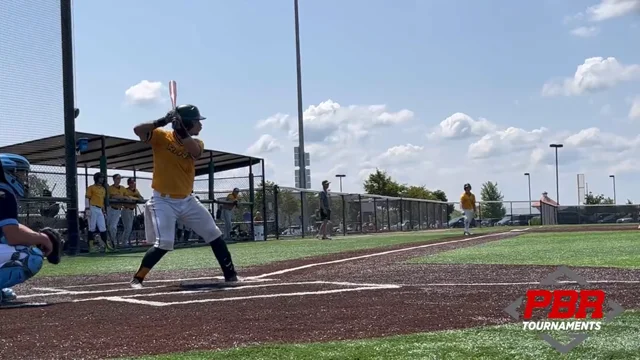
x=468, y=205
x=174, y=155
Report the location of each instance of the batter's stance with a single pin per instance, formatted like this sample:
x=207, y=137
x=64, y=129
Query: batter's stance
x=174, y=154
x=22, y=250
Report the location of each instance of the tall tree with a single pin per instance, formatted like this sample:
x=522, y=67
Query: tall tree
x=380, y=183
x=495, y=208
x=417, y=192
x=591, y=199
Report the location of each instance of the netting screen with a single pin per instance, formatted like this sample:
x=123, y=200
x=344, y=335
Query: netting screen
x=30, y=70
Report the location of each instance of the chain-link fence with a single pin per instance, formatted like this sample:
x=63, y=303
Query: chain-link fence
x=294, y=213
x=498, y=213
x=599, y=214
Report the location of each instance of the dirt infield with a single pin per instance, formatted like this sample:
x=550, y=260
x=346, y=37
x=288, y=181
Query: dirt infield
x=360, y=294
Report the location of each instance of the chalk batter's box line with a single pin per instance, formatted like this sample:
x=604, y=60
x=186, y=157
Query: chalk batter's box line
x=237, y=298
x=246, y=285
x=64, y=290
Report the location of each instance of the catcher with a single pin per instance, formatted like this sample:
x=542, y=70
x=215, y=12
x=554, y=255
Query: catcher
x=22, y=250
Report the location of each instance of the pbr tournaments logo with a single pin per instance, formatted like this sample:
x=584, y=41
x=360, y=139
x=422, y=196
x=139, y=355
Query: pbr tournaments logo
x=567, y=310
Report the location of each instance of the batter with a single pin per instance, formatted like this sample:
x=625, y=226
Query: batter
x=174, y=154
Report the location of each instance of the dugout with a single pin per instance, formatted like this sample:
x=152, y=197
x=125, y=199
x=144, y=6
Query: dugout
x=103, y=152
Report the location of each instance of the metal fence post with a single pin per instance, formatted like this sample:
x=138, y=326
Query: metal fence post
x=275, y=210
x=360, y=212
x=344, y=216
x=252, y=198
x=375, y=215
x=401, y=214
x=264, y=203
x=388, y=216
x=302, y=202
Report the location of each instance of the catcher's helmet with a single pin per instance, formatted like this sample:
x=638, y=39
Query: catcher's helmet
x=188, y=113
x=14, y=172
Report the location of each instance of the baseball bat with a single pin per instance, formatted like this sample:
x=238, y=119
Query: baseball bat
x=173, y=93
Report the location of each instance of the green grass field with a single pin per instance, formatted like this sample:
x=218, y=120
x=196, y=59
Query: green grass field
x=244, y=254
x=572, y=249
x=617, y=340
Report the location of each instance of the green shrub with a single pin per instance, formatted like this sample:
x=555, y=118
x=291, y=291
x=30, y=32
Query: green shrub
x=535, y=221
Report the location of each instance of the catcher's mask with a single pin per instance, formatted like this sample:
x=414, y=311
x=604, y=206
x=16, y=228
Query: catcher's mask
x=189, y=115
x=14, y=174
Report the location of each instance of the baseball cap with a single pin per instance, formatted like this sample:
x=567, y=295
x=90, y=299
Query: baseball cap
x=326, y=182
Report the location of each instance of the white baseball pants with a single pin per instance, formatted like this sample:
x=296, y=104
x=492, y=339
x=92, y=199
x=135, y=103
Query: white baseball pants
x=96, y=220
x=161, y=214
x=468, y=217
x=127, y=224
x=113, y=216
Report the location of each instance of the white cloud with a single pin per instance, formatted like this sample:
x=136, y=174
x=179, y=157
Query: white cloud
x=277, y=121
x=510, y=140
x=609, y=9
x=401, y=154
x=462, y=126
x=634, y=113
x=331, y=122
x=145, y=93
x=264, y=145
x=585, y=31
x=595, y=74
x=594, y=138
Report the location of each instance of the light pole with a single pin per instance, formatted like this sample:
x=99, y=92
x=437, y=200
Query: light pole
x=340, y=176
x=303, y=174
x=529, y=180
x=557, y=146
x=613, y=177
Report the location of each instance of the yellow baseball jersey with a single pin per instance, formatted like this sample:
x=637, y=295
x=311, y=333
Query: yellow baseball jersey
x=467, y=201
x=117, y=190
x=173, y=167
x=96, y=195
x=131, y=193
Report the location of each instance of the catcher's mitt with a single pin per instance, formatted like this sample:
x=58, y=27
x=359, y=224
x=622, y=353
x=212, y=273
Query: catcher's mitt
x=57, y=244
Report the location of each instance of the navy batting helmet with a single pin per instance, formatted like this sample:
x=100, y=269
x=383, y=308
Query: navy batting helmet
x=189, y=114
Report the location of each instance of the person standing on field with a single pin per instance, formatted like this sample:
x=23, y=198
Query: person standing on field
x=325, y=211
x=468, y=205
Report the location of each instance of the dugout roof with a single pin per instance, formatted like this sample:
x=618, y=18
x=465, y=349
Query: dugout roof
x=121, y=153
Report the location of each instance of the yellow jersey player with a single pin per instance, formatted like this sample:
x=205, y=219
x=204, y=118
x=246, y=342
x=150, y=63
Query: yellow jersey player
x=116, y=193
x=128, y=209
x=468, y=205
x=174, y=155
x=94, y=211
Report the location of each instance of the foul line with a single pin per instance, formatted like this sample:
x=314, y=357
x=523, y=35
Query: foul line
x=280, y=272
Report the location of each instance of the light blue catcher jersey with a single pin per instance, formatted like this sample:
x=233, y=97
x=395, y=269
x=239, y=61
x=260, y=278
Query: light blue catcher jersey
x=8, y=210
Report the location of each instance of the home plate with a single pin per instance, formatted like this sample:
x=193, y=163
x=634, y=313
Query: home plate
x=220, y=284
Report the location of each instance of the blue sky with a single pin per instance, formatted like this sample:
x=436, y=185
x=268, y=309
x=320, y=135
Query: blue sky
x=398, y=70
